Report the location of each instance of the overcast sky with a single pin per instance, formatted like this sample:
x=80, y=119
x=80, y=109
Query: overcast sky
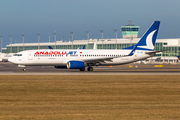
x=46, y=16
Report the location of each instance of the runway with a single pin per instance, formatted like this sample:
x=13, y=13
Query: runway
x=7, y=68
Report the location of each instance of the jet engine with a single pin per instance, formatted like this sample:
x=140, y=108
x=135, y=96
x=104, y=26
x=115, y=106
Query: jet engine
x=75, y=65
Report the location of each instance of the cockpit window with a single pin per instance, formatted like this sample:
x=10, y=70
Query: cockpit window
x=17, y=54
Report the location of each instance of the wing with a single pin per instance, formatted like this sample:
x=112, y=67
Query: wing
x=107, y=59
x=99, y=60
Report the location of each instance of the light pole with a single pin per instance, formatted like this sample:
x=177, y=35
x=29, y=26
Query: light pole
x=131, y=38
x=62, y=38
x=92, y=36
x=55, y=38
x=38, y=39
x=83, y=37
x=10, y=42
x=72, y=38
x=1, y=43
x=88, y=38
x=49, y=39
x=69, y=38
x=23, y=41
x=102, y=36
x=115, y=30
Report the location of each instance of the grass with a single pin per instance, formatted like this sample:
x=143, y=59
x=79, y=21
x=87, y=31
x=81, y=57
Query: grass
x=89, y=97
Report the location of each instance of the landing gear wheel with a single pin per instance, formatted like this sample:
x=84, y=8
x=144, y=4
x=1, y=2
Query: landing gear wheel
x=90, y=69
x=24, y=69
x=82, y=69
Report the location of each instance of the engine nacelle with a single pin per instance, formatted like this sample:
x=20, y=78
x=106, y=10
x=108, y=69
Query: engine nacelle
x=60, y=67
x=75, y=65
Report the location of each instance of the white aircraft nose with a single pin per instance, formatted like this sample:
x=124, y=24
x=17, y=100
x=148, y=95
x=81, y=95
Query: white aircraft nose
x=11, y=59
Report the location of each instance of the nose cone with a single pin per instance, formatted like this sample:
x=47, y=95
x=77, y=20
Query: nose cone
x=11, y=59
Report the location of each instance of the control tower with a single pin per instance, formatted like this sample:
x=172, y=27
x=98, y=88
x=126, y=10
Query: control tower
x=130, y=31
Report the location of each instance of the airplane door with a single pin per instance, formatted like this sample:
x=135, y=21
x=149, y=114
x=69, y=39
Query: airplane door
x=30, y=56
x=135, y=57
x=14, y=58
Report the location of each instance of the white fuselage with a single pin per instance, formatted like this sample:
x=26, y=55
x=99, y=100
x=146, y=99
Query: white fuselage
x=60, y=57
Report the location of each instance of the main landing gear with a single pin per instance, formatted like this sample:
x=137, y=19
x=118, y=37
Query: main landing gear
x=89, y=69
x=82, y=69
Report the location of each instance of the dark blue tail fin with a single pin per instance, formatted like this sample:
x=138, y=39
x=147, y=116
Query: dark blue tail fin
x=148, y=40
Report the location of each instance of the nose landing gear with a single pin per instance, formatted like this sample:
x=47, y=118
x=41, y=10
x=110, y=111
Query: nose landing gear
x=24, y=69
x=22, y=66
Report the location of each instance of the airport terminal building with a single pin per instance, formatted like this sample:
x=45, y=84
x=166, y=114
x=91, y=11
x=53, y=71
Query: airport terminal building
x=129, y=33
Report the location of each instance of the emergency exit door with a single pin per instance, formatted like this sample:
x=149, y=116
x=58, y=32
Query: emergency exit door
x=30, y=57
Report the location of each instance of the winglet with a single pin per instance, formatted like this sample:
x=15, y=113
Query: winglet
x=50, y=47
x=83, y=47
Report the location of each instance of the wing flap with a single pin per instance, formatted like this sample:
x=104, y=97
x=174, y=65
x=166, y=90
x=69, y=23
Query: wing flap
x=97, y=60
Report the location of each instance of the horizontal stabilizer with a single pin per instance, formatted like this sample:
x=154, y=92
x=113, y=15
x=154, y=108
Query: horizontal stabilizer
x=151, y=52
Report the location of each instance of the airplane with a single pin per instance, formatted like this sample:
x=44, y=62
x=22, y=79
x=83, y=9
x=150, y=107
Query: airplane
x=4, y=57
x=87, y=58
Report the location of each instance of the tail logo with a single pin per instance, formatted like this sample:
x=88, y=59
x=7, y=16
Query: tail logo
x=149, y=43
